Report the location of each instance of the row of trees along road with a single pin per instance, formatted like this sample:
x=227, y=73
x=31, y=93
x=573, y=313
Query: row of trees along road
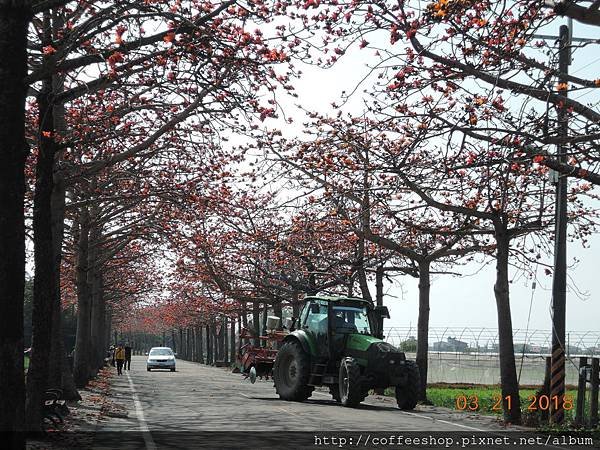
x=112, y=125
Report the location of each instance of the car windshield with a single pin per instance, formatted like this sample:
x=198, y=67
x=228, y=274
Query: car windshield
x=351, y=319
x=161, y=352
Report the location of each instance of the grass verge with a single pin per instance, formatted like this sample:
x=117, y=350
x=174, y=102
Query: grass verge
x=486, y=399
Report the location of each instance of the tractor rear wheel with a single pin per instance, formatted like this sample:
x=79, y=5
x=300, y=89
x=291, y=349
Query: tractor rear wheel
x=408, y=394
x=291, y=372
x=350, y=389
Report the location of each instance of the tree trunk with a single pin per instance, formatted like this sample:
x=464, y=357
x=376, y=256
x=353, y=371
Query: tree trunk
x=363, y=283
x=224, y=340
x=208, y=345
x=216, y=342
x=81, y=363
x=13, y=150
x=180, y=343
x=55, y=359
x=256, y=322
x=108, y=321
x=68, y=381
x=44, y=288
x=98, y=324
x=278, y=312
x=423, y=326
x=244, y=321
x=57, y=352
x=198, y=341
x=199, y=332
x=232, y=349
x=195, y=342
x=508, y=371
x=312, y=284
x=96, y=309
x=188, y=349
x=192, y=344
x=296, y=304
x=379, y=298
x=351, y=281
x=189, y=344
x=213, y=340
x=263, y=326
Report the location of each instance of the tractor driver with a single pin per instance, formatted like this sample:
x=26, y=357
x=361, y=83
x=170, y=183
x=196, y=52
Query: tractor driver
x=340, y=322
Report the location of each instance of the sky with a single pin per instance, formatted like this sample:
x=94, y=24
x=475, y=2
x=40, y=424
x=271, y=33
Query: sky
x=469, y=301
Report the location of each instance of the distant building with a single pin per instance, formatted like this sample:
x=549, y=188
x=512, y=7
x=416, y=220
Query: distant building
x=573, y=350
x=451, y=345
x=523, y=348
x=534, y=348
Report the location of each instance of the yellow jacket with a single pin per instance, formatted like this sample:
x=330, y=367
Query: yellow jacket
x=119, y=353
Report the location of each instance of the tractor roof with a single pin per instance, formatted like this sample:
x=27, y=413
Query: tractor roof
x=336, y=298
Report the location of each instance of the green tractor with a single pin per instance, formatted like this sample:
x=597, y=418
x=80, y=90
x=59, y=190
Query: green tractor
x=334, y=344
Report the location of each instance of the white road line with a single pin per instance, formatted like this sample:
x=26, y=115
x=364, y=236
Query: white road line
x=150, y=445
x=280, y=409
x=289, y=412
x=423, y=416
x=492, y=432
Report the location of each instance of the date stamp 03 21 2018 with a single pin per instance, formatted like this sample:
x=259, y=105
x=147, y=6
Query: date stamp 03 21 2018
x=535, y=402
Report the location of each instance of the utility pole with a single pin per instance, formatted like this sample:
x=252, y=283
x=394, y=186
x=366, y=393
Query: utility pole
x=559, y=281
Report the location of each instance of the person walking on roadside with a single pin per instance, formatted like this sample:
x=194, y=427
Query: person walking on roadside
x=120, y=358
x=127, y=356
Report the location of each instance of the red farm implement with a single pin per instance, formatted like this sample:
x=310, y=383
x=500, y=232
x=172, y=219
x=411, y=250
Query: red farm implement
x=257, y=360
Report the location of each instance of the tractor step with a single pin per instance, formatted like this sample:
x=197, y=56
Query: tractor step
x=330, y=379
x=316, y=377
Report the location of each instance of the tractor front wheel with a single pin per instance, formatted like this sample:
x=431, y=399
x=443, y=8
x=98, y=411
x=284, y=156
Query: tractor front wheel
x=407, y=395
x=350, y=389
x=291, y=371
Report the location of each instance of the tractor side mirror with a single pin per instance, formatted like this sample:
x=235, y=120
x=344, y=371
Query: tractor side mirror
x=382, y=311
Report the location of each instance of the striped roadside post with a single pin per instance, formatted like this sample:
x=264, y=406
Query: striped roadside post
x=557, y=385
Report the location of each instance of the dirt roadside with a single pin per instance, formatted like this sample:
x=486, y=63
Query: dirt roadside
x=84, y=418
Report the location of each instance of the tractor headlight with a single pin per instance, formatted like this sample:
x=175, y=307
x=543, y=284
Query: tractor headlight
x=384, y=347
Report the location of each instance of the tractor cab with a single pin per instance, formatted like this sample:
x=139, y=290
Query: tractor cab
x=330, y=321
x=336, y=342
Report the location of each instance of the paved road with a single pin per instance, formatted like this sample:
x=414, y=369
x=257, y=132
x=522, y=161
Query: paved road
x=197, y=398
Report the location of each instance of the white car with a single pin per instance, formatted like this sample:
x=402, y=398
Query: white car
x=160, y=358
